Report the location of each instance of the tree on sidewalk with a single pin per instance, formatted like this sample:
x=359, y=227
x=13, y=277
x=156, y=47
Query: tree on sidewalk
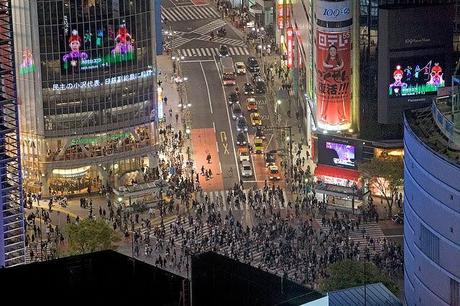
x=349, y=273
x=90, y=235
x=386, y=174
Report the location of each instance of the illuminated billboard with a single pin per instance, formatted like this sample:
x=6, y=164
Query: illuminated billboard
x=416, y=76
x=93, y=47
x=333, y=65
x=414, y=63
x=345, y=154
x=338, y=151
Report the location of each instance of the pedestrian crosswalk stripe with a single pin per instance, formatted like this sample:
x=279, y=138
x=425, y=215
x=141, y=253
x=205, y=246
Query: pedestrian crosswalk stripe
x=372, y=230
x=188, y=13
x=179, y=41
x=223, y=40
x=207, y=28
x=208, y=52
x=219, y=198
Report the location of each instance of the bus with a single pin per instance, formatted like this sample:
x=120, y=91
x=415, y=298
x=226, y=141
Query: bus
x=228, y=71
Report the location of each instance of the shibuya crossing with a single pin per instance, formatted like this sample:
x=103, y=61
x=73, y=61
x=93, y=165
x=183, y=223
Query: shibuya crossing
x=86, y=92
x=270, y=132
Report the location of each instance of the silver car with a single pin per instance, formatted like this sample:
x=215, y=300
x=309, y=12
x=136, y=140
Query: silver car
x=246, y=169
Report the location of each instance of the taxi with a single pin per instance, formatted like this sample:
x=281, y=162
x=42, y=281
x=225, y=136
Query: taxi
x=256, y=120
x=258, y=146
x=274, y=173
x=243, y=153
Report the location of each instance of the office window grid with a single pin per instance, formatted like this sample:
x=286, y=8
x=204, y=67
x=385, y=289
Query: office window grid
x=429, y=243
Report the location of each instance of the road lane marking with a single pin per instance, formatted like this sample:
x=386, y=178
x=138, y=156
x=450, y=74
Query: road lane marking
x=207, y=88
x=220, y=166
x=214, y=126
x=217, y=146
x=196, y=61
x=223, y=136
x=229, y=121
x=225, y=145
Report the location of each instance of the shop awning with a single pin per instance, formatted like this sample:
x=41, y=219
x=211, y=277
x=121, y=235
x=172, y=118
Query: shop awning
x=347, y=174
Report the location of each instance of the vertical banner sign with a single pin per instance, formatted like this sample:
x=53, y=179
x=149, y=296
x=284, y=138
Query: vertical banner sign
x=290, y=47
x=280, y=15
x=333, y=64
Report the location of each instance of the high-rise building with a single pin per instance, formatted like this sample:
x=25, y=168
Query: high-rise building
x=11, y=209
x=87, y=92
x=356, y=66
x=432, y=205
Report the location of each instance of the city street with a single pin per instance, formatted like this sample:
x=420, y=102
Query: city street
x=200, y=64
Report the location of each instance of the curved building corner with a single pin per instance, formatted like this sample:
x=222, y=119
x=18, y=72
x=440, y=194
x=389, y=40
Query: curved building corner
x=87, y=92
x=432, y=212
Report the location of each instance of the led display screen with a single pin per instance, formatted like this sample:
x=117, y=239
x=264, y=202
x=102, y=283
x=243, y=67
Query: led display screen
x=344, y=154
x=416, y=76
x=91, y=47
x=338, y=152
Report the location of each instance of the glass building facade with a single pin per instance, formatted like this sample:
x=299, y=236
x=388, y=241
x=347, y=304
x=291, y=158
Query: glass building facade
x=87, y=91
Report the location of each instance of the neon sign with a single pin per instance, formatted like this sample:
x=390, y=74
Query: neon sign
x=93, y=57
x=27, y=65
x=107, y=81
x=290, y=47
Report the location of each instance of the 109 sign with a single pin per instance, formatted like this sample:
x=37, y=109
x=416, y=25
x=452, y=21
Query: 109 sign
x=336, y=12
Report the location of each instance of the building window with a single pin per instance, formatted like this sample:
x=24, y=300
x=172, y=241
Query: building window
x=454, y=293
x=429, y=243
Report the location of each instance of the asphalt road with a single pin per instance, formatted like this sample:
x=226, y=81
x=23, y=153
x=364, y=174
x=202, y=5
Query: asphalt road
x=205, y=91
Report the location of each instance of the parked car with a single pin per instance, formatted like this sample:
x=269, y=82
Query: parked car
x=251, y=104
x=241, y=139
x=241, y=125
x=248, y=89
x=240, y=68
x=246, y=169
x=237, y=112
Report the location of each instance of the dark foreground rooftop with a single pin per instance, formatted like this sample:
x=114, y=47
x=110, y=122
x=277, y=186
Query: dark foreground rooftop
x=109, y=276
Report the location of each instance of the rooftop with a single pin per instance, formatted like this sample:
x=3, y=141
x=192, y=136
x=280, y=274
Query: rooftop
x=437, y=128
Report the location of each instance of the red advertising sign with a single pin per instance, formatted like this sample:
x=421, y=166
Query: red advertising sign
x=333, y=79
x=290, y=47
x=280, y=16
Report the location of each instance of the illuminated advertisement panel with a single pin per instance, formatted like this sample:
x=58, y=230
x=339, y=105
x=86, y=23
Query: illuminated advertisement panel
x=97, y=47
x=290, y=47
x=333, y=80
x=338, y=152
x=280, y=15
x=416, y=76
x=333, y=65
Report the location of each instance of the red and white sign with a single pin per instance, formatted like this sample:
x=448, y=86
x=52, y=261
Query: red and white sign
x=333, y=79
x=280, y=15
x=290, y=47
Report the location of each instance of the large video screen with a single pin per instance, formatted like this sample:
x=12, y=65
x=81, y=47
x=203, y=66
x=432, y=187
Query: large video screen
x=341, y=154
x=416, y=76
x=93, y=46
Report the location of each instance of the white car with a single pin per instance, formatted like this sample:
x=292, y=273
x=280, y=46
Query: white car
x=246, y=169
x=240, y=68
